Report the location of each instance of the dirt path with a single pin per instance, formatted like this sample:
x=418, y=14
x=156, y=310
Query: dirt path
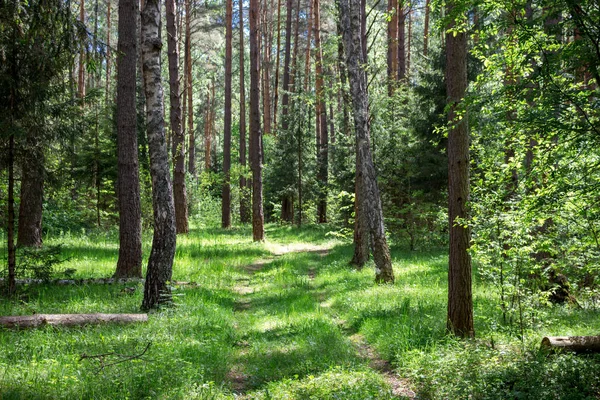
x=240, y=378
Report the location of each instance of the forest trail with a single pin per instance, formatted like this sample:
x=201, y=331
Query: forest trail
x=259, y=315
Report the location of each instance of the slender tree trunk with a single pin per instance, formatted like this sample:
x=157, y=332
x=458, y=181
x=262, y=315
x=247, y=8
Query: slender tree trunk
x=372, y=210
x=286, y=69
x=460, y=300
x=178, y=140
x=81, y=71
x=32, y=195
x=308, y=45
x=277, y=64
x=401, y=41
x=426, y=27
x=12, y=260
x=108, y=52
x=190, y=91
x=363, y=30
x=266, y=69
x=258, y=231
x=129, y=264
x=226, y=195
x=408, y=40
x=207, y=130
x=321, y=119
x=392, y=50
x=346, y=100
x=160, y=263
x=244, y=189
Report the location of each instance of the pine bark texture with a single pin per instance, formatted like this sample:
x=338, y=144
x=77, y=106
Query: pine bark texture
x=286, y=69
x=178, y=141
x=129, y=264
x=226, y=193
x=350, y=15
x=160, y=263
x=321, y=120
x=392, y=50
x=189, y=91
x=460, y=300
x=32, y=195
x=401, y=41
x=244, y=188
x=258, y=230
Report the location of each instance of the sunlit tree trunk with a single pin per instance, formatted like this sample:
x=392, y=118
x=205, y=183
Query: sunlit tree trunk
x=426, y=27
x=189, y=91
x=178, y=140
x=401, y=40
x=321, y=120
x=392, y=48
x=160, y=263
x=308, y=45
x=277, y=65
x=258, y=231
x=350, y=15
x=129, y=264
x=226, y=193
x=460, y=299
x=244, y=189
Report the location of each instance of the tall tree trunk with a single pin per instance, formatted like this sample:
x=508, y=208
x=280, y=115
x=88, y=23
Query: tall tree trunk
x=392, y=48
x=244, y=189
x=129, y=264
x=401, y=41
x=108, y=48
x=408, y=40
x=346, y=100
x=12, y=261
x=321, y=121
x=351, y=31
x=160, y=263
x=258, y=230
x=308, y=45
x=226, y=195
x=460, y=300
x=363, y=30
x=178, y=140
x=361, y=229
x=32, y=195
x=207, y=133
x=286, y=69
x=266, y=68
x=81, y=71
x=189, y=91
x=426, y=28
x=277, y=64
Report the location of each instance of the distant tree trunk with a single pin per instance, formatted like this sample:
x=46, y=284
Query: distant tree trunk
x=129, y=264
x=81, y=71
x=392, y=49
x=408, y=40
x=226, y=195
x=12, y=260
x=321, y=121
x=426, y=28
x=258, y=230
x=178, y=141
x=108, y=52
x=346, y=100
x=244, y=189
x=401, y=41
x=277, y=64
x=308, y=45
x=265, y=67
x=32, y=195
x=189, y=91
x=351, y=31
x=460, y=300
x=160, y=263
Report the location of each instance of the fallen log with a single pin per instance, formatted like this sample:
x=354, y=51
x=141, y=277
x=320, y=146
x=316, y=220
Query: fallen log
x=34, y=321
x=575, y=344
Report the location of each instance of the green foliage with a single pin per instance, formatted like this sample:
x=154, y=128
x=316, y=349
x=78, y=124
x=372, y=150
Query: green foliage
x=38, y=263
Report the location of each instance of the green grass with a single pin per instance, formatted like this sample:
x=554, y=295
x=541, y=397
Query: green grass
x=283, y=330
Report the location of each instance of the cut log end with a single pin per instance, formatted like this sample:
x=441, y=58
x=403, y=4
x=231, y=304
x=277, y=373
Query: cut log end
x=34, y=321
x=575, y=344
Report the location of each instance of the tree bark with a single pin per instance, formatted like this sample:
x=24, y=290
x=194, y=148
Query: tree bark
x=350, y=15
x=189, y=91
x=35, y=321
x=226, y=193
x=426, y=28
x=160, y=263
x=81, y=71
x=178, y=141
x=244, y=188
x=32, y=195
x=308, y=45
x=277, y=64
x=460, y=299
x=576, y=344
x=401, y=41
x=286, y=69
x=265, y=67
x=258, y=232
x=129, y=264
x=392, y=49
x=321, y=121
x=108, y=52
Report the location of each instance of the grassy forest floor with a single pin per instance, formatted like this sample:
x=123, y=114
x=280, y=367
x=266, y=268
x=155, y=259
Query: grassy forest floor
x=286, y=319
